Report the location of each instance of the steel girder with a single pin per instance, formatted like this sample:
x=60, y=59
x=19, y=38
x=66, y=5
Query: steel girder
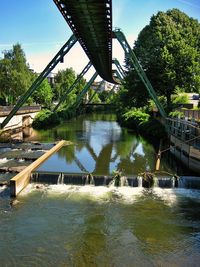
x=111, y=91
x=96, y=91
x=118, y=76
x=119, y=67
x=91, y=22
x=84, y=91
x=138, y=68
x=64, y=96
x=58, y=58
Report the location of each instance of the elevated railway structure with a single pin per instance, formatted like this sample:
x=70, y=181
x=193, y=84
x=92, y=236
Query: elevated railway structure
x=91, y=23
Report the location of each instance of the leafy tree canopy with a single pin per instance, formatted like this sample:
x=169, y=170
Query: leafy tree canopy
x=63, y=80
x=15, y=75
x=169, y=51
x=43, y=94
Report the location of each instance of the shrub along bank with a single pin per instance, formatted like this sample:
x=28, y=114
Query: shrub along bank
x=142, y=122
x=47, y=118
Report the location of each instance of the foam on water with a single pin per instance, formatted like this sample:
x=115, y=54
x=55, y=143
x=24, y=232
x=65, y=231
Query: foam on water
x=168, y=195
x=125, y=194
x=3, y=160
x=2, y=188
x=21, y=160
x=97, y=193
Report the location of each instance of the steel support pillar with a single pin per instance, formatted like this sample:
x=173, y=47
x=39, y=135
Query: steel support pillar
x=131, y=55
x=111, y=91
x=80, y=76
x=58, y=58
x=119, y=67
x=116, y=72
x=84, y=91
x=96, y=91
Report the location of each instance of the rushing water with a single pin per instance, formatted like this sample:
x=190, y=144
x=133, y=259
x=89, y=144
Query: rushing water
x=101, y=226
x=66, y=225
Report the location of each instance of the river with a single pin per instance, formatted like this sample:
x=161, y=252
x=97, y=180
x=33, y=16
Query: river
x=68, y=225
x=100, y=147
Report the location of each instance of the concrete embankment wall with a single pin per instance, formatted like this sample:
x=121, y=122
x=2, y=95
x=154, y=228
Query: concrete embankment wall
x=19, y=121
x=187, y=154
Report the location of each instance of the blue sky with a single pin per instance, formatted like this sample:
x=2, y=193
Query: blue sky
x=41, y=30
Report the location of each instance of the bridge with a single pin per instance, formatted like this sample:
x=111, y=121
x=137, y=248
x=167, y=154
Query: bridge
x=91, y=24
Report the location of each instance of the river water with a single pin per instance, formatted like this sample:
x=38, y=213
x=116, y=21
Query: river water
x=101, y=146
x=67, y=225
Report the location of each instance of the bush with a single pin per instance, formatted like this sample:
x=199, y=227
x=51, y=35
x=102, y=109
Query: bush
x=135, y=117
x=176, y=114
x=152, y=128
x=44, y=119
x=180, y=99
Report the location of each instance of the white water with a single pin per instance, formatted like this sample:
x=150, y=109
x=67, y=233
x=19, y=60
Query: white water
x=60, y=179
x=21, y=160
x=3, y=160
x=2, y=188
x=124, y=194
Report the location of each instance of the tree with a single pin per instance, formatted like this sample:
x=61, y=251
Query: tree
x=43, y=95
x=15, y=75
x=63, y=80
x=169, y=51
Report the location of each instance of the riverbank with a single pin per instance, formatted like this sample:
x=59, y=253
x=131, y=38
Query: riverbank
x=148, y=126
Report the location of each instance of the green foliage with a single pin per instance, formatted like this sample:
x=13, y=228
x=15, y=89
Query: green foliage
x=15, y=75
x=152, y=128
x=161, y=99
x=176, y=114
x=180, y=99
x=63, y=80
x=105, y=96
x=96, y=99
x=169, y=51
x=44, y=119
x=135, y=116
x=43, y=94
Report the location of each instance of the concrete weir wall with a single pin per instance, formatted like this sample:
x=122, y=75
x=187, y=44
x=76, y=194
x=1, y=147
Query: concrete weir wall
x=22, y=179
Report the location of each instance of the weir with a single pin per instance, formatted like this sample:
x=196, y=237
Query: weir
x=190, y=182
x=22, y=179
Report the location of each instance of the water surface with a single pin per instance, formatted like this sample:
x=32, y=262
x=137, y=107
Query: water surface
x=101, y=226
x=66, y=225
x=101, y=146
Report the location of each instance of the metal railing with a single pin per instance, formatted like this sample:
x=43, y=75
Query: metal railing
x=186, y=131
